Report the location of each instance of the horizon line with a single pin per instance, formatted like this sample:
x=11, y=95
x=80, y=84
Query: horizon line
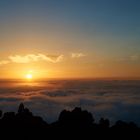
x=76, y=78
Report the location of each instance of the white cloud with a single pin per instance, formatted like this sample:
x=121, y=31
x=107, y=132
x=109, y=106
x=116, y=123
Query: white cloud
x=32, y=58
x=51, y=58
x=77, y=55
x=23, y=59
x=130, y=58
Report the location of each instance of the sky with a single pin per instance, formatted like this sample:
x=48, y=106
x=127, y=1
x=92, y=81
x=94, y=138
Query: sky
x=69, y=38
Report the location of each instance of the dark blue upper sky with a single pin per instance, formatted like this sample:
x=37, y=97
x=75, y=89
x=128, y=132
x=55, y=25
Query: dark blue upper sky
x=112, y=15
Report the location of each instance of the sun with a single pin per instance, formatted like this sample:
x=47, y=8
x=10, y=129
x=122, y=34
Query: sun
x=29, y=76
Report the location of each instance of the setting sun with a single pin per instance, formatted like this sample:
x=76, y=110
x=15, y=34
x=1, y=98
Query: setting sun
x=29, y=76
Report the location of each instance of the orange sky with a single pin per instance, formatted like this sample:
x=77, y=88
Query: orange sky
x=67, y=41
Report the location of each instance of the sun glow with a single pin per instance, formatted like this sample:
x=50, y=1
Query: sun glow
x=29, y=76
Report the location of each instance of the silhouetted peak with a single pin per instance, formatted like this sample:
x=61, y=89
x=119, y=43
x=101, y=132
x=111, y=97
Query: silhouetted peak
x=76, y=122
x=77, y=110
x=64, y=115
x=21, y=108
x=104, y=123
x=124, y=125
x=27, y=111
x=76, y=117
x=120, y=123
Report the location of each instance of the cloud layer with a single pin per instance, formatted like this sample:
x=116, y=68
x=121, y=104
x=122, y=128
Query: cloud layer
x=77, y=55
x=32, y=58
x=112, y=99
x=52, y=58
x=131, y=58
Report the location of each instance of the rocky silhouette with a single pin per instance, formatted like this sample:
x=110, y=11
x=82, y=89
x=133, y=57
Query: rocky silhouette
x=77, y=122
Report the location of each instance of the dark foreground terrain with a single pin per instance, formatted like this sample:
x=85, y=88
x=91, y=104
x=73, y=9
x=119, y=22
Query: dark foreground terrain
x=70, y=124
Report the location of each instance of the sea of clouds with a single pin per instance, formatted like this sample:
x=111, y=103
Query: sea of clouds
x=103, y=98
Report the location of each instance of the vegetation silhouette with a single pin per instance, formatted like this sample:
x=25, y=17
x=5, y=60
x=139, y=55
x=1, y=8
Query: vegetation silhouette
x=77, y=122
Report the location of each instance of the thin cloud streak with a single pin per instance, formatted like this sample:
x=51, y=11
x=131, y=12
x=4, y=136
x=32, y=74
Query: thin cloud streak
x=77, y=55
x=130, y=58
x=29, y=58
x=32, y=58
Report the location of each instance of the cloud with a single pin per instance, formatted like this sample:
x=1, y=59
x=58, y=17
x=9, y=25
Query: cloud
x=51, y=58
x=32, y=58
x=130, y=58
x=3, y=62
x=23, y=59
x=134, y=57
x=107, y=99
x=77, y=55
